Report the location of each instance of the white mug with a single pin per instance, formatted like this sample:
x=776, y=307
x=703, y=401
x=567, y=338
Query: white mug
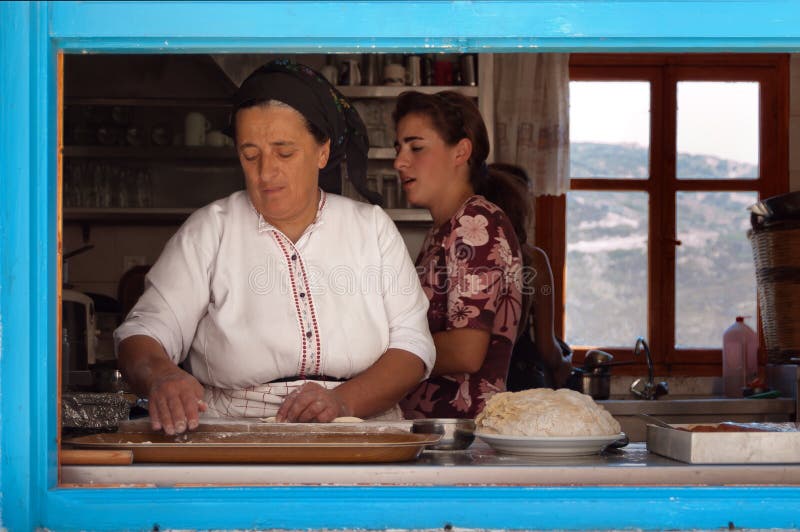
x=195, y=129
x=394, y=74
x=215, y=138
x=330, y=73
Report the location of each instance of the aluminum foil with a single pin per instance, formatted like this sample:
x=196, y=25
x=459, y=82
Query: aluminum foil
x=93, y=410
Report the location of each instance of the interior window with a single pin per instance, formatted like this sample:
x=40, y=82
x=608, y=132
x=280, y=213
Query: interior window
x=666, y=154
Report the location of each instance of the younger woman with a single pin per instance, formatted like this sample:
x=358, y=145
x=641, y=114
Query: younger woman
x=470, y=265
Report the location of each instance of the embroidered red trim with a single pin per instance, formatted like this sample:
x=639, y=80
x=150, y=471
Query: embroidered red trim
x=317, y=343
x=303, y=339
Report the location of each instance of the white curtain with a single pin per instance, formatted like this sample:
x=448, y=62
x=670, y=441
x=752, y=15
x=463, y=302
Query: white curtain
x=531, y=102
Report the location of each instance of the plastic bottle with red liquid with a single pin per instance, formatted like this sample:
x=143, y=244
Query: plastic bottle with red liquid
x=739, y=357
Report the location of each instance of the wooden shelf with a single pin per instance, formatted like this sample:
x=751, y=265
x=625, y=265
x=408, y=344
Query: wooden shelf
x=224, y=153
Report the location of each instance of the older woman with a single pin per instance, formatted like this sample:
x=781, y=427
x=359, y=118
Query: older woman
x=470, y=264
x=285, y=300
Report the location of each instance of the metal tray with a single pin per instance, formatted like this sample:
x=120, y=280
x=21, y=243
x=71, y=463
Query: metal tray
x=264, y=447
x=724, y=447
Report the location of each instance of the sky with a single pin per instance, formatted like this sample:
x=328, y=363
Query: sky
x=714, y=118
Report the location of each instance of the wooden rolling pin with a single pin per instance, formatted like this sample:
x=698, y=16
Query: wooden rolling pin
x=96, y=457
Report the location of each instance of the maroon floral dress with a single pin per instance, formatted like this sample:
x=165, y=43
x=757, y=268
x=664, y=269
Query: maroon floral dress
x=471, y=270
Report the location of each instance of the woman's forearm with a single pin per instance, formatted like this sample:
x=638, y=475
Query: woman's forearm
x=460, y=351
x=142, y=360
x=381, y=386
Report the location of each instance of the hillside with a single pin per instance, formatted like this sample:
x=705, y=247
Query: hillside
x=607, y=251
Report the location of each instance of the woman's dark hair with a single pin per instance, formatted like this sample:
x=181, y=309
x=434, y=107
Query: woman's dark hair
x=455, y=117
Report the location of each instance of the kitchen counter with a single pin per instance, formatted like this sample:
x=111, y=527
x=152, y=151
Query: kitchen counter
x=700, y=405
x=478, y=465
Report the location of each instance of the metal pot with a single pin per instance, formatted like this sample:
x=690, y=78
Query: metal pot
x=596, y=374
x=597, y=383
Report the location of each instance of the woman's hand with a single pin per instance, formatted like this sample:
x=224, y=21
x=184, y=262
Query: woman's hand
x=175, y=402
x=175, y=398
x=312, y=402
x=375, y=390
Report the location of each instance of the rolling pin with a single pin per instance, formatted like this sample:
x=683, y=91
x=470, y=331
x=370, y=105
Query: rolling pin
x=96, y=457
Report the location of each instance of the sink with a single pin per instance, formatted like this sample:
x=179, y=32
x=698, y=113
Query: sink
x=696, y=409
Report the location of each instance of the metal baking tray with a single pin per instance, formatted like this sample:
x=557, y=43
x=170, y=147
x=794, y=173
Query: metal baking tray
x=724, y=447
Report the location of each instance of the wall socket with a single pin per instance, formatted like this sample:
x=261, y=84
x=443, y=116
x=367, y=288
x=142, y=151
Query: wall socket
x=129, y=261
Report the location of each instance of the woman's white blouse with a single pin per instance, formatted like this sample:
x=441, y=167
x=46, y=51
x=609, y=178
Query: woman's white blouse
x=247, y=306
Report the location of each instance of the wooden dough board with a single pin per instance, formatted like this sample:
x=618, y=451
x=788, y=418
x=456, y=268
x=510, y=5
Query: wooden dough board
x=226, y=442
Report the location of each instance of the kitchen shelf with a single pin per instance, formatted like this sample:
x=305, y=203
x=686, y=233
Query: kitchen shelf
x=393, y=91
x=152, y=152
x=176, y=152
x=410, y=215
x=126, y=216
x=161, y=215
x=381, y=153
x=151, y=102
x=165, y=160
x=351, y=91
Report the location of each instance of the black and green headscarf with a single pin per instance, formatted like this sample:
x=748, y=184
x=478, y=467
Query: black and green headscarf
x=308, y=92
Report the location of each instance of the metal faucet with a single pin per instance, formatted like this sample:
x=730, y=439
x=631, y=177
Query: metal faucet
x=647, y=390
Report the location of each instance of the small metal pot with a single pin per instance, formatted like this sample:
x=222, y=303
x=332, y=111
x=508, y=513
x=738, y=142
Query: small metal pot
x=597, y=383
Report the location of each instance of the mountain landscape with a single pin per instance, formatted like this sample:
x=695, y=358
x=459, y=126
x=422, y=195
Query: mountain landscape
x=606, y=277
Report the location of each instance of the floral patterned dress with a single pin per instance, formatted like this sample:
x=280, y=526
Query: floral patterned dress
x=471, y=270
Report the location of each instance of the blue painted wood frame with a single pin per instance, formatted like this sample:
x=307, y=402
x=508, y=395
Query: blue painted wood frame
x=31, y=34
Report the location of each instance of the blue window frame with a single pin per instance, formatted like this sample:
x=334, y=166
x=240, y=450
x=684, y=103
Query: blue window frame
x=32, y=35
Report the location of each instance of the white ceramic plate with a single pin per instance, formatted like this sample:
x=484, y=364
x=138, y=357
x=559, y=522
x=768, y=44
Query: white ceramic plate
x=549, y=445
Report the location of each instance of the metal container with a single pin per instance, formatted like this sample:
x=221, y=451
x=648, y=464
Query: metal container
x=724, y=447
x=457, y=434
x=597, y=383
x=468, y=76
x=79, y=335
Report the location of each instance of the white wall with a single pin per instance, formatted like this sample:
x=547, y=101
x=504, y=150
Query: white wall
x=99, y=270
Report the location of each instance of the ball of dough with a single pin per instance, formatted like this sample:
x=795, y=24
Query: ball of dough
x=347, y=419
x=545, y=412
x=343, y=419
